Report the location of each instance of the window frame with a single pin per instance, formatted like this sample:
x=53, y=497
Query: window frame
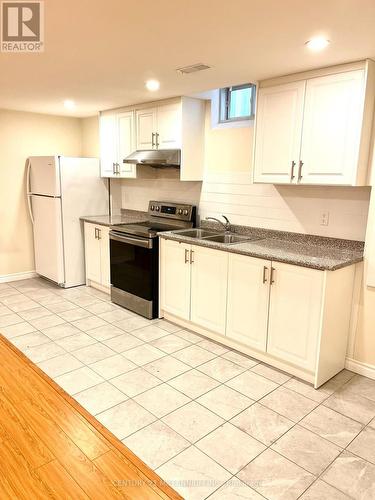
x=224, y=103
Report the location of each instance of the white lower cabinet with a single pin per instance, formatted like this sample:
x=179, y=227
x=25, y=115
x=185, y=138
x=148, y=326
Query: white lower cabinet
x=97, y=256
x=292, y=317
x=209, y=271
x=248, y=299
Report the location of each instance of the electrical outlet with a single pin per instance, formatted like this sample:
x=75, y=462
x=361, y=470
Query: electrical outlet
x=324, y=218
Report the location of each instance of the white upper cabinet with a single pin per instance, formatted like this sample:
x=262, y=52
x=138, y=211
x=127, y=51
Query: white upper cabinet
x=316, y=129
x=117, y=140
x=169, y=127
x=332, y=128
x=146, y=128
x=278, y=132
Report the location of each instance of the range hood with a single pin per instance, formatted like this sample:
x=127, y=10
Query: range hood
x=157, y=158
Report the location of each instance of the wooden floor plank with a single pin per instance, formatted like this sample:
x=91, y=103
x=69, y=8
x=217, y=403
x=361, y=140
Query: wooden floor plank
x=72, y=449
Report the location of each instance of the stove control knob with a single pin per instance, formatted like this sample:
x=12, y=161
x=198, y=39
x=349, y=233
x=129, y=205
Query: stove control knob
x=185, y=212
x=152, y=207
x=157, y=208
x=180, y=211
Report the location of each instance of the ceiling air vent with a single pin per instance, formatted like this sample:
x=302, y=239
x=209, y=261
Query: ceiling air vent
x=192, y=69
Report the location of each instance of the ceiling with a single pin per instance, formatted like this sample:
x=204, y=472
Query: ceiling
x=100, y=53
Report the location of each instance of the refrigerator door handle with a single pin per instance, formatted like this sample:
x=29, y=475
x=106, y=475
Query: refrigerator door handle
x=28, y=168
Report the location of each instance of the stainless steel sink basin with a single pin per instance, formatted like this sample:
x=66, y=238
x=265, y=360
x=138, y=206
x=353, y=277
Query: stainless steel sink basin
x=196, y=233
x=228, y=238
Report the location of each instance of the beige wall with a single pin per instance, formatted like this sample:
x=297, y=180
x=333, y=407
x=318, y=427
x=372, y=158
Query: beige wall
x=90, y=137
x=22, y=135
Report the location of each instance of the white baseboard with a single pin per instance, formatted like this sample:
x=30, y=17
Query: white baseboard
x=17, y=276
x=361, y=368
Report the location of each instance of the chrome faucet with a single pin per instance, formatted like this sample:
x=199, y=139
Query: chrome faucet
x=226, y=225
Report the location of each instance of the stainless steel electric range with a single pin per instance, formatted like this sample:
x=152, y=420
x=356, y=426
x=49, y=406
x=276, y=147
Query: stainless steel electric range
x=134, y=254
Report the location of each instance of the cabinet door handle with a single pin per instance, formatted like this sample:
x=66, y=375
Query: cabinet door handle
x=153, y=139
x=114, y=168
x=292, y=176
x=191, y=256
x=186, y=256
x=118, y=168
x=300, y=170
x=273, y=271
x=157, y=140
x=99, y=234
x=265, y=270
x=96, y=233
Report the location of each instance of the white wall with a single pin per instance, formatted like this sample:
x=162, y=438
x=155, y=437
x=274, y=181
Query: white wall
x=22, y=135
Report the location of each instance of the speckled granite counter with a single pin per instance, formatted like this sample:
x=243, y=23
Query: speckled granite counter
x=311, y=251
x=126, y=217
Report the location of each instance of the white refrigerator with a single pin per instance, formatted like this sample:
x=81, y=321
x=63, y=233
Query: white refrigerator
x=59, y=191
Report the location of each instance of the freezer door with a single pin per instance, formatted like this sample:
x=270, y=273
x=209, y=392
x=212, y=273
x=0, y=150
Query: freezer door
x=48, y=238
x=44, y=177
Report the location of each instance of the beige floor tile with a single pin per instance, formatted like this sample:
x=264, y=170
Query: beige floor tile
x=59, y=307
x=87, y=324
x=117, y=315
x=10, y=319
x=170, y=343
x=193, y=383
x=331, y=425
x=4, y=310
x=240, y=359
x=307, y=390
x=275, y=477
x=193, y=421
x=46, y=321
x=191, y=337
x=273, y=374
x=43, y=352
x=234, y=489
x=78, y=380
x=352, y=405
x=214, y=347
x=100, y=398
x=143, y=354
x=221, y=369
x=352, y=475
x=338, y=381
x=125, y=419
x=364, y=445
x=112, y=367
x=168, y=326
x=26, y=305
x=75, y=314
x=323, y=491
x=166, y=368
x=105, y=332
x=195, y=355
x=156, y=444
x=252, y=385
x=16, y=298
x=289, y=403
x=75, y=342
x=93, y=353
x=49, y=299
x=60, y=365
x=101, y=307
x=191, y=467
x=37, y=312
x=263, y=424
x=161, y=400
x=132, y=323
x=85, y=300
x=149, y=333
x=306, y=449
x=18, y=329
x=135, y=382
x=122, y=343
x=30, y=340
x=225, y=402
x=61, y=331
x=362, y=386
x=372, y=423
x=230, y=447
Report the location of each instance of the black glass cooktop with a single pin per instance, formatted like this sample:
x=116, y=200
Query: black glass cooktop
x=147, y=229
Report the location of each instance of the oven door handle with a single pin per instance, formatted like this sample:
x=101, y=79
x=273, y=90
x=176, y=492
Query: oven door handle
x=137, y=242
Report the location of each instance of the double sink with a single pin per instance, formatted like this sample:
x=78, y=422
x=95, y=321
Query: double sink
x=205, y=234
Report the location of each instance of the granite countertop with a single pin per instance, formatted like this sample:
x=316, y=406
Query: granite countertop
x=315, y=252
x=126, y=217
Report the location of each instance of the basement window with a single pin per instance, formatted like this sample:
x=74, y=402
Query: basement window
x=237, y=103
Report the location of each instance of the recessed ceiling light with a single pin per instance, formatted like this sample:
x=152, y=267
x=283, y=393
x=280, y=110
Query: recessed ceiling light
x=152, y=85
x=317, y=43
x=69, y=104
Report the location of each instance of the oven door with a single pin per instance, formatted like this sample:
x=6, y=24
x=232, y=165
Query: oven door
x=134, y=272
